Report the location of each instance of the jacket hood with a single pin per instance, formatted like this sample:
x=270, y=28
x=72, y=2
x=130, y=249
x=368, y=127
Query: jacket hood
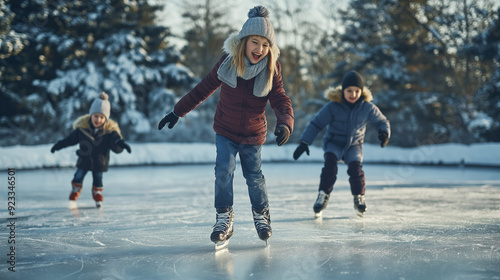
x=233, y=40
x=109, y=126
x=335, y=94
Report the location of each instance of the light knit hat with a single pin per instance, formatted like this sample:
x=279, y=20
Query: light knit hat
x=101, y=105
x=258, y=24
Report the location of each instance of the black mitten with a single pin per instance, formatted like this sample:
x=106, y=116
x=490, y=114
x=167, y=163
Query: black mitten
x=124, y=145
x=171, y=118
x=303, y=147
x=384, y=138
x=57, y=146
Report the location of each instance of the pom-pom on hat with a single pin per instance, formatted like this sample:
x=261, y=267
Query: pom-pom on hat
x=258, y=24
x=352, y=78
x=101, y=105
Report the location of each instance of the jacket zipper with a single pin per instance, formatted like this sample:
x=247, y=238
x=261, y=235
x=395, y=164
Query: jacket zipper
x=242, y=126
x=350, y=127
x=88, y=135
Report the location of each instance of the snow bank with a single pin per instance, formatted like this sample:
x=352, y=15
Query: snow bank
x=32, y=157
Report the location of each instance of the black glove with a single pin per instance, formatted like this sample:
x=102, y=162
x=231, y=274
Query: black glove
x=171, y=118
x=303, y=147
x=121, y=143
x=384, y=138
x=283, y=133
x=57, y=146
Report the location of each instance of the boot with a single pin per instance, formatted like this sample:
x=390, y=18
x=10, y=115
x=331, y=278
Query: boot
x=359, y=204
x=75, y=192
x=96, y=194
x=262, y=221
x=321, y=202
x=223, y=228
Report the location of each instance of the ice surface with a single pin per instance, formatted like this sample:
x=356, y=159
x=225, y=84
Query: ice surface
x=428, y=223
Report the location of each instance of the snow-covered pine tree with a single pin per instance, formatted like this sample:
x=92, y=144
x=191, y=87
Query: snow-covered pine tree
x=408, y=53
x=11, y=44
x=485, y=48
x=371, y=45
x=93, y=46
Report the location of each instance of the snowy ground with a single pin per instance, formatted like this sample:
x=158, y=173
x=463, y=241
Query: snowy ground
x=422, y=223
x=32, y=157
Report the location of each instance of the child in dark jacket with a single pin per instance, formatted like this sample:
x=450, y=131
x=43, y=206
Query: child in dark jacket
x=96, y=134
x=346, y=116
x=249, y=76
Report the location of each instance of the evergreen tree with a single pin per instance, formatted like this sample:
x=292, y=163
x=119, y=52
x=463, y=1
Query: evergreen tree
x=485, y=48
x=18, y=65
x=11, y=44
x=81, y=48
x=407, y=51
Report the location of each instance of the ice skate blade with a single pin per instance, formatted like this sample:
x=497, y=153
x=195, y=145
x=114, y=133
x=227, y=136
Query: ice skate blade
x=267, y=244
x=72, y=204
x=221, y=245
x=360, y=214
x=318, y=215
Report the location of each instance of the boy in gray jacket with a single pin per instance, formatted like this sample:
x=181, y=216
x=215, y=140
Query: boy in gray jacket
x=346, y=116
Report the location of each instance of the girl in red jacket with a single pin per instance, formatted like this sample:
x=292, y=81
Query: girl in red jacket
x=249, y=76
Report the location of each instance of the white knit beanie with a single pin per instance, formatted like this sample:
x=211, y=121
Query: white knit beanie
x=101, y=105
x=258, y=24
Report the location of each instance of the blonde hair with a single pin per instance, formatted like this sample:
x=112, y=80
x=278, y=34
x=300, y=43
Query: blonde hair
x=238, y=61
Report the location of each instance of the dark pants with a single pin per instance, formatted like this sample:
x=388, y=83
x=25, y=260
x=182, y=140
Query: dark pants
x=356, y=178
x=329, y=175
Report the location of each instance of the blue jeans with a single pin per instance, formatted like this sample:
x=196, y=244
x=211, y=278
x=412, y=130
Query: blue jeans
x=96, y=176
x=225, y=164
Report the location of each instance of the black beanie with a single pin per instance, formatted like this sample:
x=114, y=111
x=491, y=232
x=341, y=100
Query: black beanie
x=352, y=78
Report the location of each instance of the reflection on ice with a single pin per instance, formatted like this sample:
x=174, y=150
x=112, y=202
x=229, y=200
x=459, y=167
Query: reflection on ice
x=437, y=223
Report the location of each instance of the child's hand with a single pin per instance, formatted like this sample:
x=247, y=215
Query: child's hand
x=56, y=147
x=384, y=138
x=283, y=133
x=170, y=118
x=303, y=147
x=124, y=145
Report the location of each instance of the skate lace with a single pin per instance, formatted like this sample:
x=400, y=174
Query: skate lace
x=76, y=189
x=223, y=221
x=322, y=198
x=261, y=221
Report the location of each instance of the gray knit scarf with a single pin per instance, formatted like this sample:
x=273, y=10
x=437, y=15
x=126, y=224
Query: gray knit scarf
x=227, y=74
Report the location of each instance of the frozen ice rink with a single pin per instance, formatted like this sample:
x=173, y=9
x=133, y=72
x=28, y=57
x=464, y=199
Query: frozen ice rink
x=422, y=223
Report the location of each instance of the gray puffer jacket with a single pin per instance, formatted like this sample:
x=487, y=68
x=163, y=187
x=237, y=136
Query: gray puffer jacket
x=346, y=126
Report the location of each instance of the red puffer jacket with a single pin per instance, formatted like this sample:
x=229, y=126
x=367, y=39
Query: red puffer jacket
x=240, y=116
